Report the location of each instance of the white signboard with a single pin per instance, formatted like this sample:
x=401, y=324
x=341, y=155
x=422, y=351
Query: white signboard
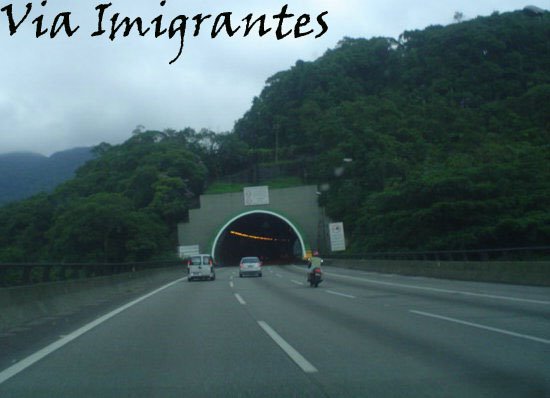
x=256, y=196
x=188, y=251
x=337, y=239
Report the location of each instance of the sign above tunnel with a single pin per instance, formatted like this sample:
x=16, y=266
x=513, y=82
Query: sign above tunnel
x=254, y=196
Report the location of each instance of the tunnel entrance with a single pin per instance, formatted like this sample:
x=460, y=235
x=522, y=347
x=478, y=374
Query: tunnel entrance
x=264, y=234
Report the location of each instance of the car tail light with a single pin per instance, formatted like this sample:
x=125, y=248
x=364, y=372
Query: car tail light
x=240, y=265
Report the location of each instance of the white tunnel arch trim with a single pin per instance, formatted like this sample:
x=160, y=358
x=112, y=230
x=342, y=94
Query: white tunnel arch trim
x=241, y=215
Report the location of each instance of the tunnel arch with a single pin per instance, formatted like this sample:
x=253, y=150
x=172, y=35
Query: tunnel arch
x=222, y=230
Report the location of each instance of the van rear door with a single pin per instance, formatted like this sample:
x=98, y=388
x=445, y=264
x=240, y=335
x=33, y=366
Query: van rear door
x=199, y=267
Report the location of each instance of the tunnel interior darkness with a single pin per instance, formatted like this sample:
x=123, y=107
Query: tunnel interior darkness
x=258, y=234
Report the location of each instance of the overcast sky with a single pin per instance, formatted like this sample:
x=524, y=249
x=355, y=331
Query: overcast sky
x=65, y=92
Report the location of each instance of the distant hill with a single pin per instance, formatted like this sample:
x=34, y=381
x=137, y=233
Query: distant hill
x=23, y=174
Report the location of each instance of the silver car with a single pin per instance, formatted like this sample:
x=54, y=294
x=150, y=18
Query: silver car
x=200, y=267
x=250, y=266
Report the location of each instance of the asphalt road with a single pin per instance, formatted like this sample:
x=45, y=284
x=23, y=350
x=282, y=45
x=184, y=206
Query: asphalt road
x=357, y=335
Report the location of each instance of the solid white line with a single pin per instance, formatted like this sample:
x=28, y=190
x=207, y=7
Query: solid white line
x=433, y=289
x=288, y=349
x=340, y=294
x=279, y=275
x=296, y=282
x=231, y=284
x=240, y=299
x=477, y=325
x=37, y=356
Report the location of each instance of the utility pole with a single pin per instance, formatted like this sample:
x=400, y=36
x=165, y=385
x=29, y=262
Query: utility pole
x=276, y=143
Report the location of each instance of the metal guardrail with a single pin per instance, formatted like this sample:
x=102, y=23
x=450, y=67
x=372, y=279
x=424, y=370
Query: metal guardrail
x=17, y=274
x=259, y=173
x=501, y=254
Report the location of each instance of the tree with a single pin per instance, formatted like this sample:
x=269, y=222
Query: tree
x=104, y=228
x=458, y=16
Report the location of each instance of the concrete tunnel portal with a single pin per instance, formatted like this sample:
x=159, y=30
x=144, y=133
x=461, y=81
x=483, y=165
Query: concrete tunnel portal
x=265, y=234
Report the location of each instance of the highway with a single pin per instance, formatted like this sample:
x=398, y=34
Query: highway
x=358, y=335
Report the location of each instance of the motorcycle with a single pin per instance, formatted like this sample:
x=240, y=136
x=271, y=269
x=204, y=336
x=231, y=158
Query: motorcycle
x=315, y=277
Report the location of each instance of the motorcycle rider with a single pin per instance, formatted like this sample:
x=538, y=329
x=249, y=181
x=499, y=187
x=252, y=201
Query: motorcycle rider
x=313, y=262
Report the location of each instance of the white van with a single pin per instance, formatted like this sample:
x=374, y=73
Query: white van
x=200, y=266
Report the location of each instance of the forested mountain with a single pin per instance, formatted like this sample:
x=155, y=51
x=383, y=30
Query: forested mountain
x=438, y=139
x=23, y=174
x=123, y=205
x=448, y=129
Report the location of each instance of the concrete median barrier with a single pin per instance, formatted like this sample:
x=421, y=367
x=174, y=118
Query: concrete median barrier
x=22, y=304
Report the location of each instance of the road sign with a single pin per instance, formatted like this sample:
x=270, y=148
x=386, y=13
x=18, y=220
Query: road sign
x=256, y=196
x=337, y=238
x=188, y=251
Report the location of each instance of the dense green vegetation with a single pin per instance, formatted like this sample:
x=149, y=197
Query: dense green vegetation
x=447, y=130
x=121, y=206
